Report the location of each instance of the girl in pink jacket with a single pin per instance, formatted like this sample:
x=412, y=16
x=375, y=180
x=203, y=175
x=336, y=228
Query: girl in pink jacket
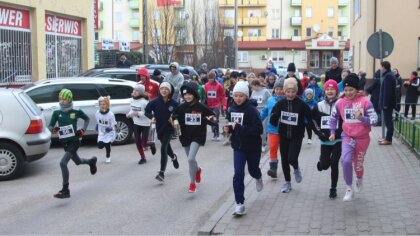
x=358, y=115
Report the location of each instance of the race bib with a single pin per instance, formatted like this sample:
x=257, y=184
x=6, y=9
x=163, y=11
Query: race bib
x=289, y=118
x=66, y=132
x=211, y=94
x=237, y=117
x=103, y=122
x=349, y=116
x=231, y=94
x=192, y=119
x=325, y=122
x=259, y=99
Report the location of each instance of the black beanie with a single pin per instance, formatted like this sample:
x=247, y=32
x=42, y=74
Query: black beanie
x=156, y=72
x=291, y=67
x=191, y=88
x=351, y=80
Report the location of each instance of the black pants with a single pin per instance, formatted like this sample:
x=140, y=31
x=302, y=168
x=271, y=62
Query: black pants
x=308, y=131
x=330, y=156
x=389, y=124
x=289, y=151
x=107, y=147
x=165, y=150
x=413, y=110
x=70, y=149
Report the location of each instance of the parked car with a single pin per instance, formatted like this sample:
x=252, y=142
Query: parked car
x=164, y=68
x=24, y=135
x=85, y=97
x=115, y=73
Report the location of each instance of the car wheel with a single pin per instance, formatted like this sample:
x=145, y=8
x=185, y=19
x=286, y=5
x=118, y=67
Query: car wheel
x=124, y=131
x=11, y=161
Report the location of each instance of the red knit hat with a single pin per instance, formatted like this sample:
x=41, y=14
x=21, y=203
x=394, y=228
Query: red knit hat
x=332, y=84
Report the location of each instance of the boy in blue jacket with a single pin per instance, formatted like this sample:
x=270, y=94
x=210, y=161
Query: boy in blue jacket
x=245, y=128
x=308, y=98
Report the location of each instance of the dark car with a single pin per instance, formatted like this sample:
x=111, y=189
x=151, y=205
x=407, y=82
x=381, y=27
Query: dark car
x=115, y=73
x=164, y=68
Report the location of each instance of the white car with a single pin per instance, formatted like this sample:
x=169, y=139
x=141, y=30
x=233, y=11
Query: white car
x=86, y=92
x=24, y=135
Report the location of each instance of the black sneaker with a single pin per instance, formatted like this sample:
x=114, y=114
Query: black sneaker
x=62, y=194
x=333, y=193
x=153, y=148
x=318, y=166
x=142, y=161
x=175, y=161
x=160, y=176
x=92, y=165
x=272, y=173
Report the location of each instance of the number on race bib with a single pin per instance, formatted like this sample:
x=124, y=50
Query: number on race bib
x=289, y=118
x=211, y=94
x=66, y=132
x=349, y=115
x=192, y=119
x=237, y=117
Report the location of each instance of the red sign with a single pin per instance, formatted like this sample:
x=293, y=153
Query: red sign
x=95, y=14
x=62, y=25
x=162, y=3
x=16, y=18
x=325, y=43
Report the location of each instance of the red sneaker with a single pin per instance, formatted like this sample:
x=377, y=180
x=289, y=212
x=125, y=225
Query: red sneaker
x=192, y=188
x=198, y=175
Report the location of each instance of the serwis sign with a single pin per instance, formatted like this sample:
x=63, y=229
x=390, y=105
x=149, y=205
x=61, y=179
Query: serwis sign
x=62, y=25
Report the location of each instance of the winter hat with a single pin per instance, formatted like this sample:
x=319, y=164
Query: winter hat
x=309, y=90
x=66, y=94
x=156, y=72
x=290, y=83
x=331, y=84
x=291, y=67
x=140, y=88
x=241, y=87
x=185, y=71
x=279, y=83
x=166, y=85
x=191, y=88
x=105, y=99
x=352, y=80
x=333, y=60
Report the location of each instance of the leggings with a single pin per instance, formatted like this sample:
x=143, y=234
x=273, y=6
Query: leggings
x=107, y=147
x=191, y=152
x=70, y=149
x=330, y=156
x=165, y=150
x=289, y=150
x=309, y=131
x=354, y=151
x=274, y=141
x=140, y=135
x=215, y=128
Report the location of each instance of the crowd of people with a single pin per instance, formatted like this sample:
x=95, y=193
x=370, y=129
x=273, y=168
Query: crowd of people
x=263, y=112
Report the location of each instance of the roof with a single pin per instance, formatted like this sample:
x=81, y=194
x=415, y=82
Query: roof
x=271, y=44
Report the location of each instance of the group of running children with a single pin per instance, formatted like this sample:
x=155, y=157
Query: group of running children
x=341, y=121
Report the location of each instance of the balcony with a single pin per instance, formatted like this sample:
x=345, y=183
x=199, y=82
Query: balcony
x=343, y=3
x=243, y=3
x=295, y=3
x=100, y=6
x=134, y=23
x=252, y=22
x=343, y=20
x=296, y=21
x=134, y=4
x=227, y=3
x=253, y=38
x=229, y=21
x=296, y=38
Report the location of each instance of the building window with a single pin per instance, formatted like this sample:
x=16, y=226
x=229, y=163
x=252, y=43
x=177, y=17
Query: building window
x=243, y=56
x=275, y=14
x=229, y=13
x=118, y=35
x=297, y=12
x=308, y=32
x=96, y=36
x=277, y=56
x=314, y=59
x=136, y=35
x=135, y=15
x=118, y=17
x=308, y=12
x=339, y=33
x=296, y=32
x=330, y=31
x=303, y=56
x=254, y=13
x=326, y=56
x=275, y=33
x=254, y=32
x=330, y=12
x=356, y=9
x=156, y=15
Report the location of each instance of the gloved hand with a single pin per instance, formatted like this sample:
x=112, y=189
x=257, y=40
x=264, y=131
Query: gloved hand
x=55, y=130
x=108, y=129
x=80, y=133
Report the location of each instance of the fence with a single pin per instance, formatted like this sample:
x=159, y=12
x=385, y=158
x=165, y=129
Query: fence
x=407, y=130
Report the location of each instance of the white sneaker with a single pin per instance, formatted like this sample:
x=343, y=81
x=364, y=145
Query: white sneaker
x=239, y=210
x=259, y=184
x=349, y=195
x=218, y=139
x=359, y=185
x=309, y=141
x=263, y=149
x=108, y=160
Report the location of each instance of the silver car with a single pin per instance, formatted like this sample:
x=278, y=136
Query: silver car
x=86, y=92
x=24, y=135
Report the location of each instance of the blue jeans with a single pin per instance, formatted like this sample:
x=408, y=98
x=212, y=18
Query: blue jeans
x=389, y=124
x=240, y=158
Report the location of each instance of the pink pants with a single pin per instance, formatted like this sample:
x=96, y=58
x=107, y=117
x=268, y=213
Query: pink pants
x=353, y=151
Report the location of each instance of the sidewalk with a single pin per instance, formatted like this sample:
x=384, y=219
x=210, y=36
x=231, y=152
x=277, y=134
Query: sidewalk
x=388, y=204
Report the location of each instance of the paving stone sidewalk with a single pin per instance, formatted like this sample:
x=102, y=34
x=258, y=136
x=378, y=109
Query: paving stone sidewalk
x=388, y=204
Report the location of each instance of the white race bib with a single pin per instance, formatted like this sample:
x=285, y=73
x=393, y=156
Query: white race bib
x=192, y=119
x=231, y=94
x=237, y=117
x=259, y=99
x=289, y=118
x=66, y=132
x=103, y=122
x=325, y=122
x=211, y=94
x=349, y=116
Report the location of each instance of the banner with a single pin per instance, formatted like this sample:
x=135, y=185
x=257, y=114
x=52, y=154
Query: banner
x=162, y=3
x=63, y=25
x=107, y=44
x=124, y=46
x=15, y=18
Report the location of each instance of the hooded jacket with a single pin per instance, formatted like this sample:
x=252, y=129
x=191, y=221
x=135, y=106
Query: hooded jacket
x=176, y=79
x=266, y=112
x=162, y=111
x=151, y=87
x=247, y=133
x=214, y=92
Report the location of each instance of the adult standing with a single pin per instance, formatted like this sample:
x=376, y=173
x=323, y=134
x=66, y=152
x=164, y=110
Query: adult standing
x=387, y=100
x=374, y=90
x=398, y=87
x=123, y=62
x=362, y=80
x=335, y=71
x=175, y=78
x=412, y=95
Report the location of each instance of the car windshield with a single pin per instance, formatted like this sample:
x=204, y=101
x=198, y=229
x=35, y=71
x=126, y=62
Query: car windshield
x=30, y=104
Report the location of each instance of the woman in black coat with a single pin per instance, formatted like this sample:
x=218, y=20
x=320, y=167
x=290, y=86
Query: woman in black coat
x=412, y=95
x=398, y=88
x=374, y=89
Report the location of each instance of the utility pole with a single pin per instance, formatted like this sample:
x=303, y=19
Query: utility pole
x=235, y=33
x=145, y=54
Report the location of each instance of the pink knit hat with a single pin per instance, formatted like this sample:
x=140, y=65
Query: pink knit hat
x=332, y=84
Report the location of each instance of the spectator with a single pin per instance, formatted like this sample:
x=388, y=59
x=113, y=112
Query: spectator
x=374, y=90
x=398, y=88
x=362, y=81
x=411, y=96
x=335, y=71
x=123, y=62
x=387, y=100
